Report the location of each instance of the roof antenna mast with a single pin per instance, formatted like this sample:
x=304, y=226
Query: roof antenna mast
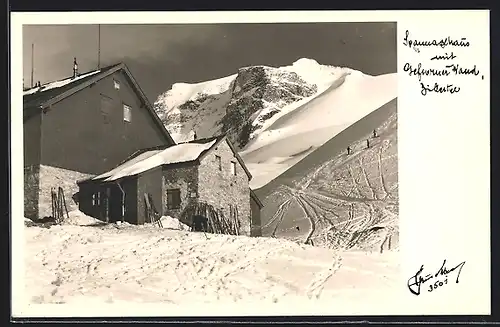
x=99, y=47
x=32, y=61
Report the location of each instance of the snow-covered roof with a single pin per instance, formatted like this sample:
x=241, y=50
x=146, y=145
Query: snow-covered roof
x=38, y=97
x=184, y=152
x=56, y=84
x=45, y=96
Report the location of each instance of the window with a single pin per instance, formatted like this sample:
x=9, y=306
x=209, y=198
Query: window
x=127, y=113
x=174, y=198
x=96, y=198
x=233, y=168
x=116, y=84
x=106, y=106
x=219, y=161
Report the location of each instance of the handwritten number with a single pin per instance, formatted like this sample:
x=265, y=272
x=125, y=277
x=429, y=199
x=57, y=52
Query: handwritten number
x=415, y=282
x=437, y=284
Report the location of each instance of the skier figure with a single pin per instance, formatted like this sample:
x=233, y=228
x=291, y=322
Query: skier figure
x=374, y=133
x=367, y=143
x=348, y=150
x=297, y=228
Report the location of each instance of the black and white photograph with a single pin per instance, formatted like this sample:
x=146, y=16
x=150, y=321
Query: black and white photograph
x=209, y=165
x=171, y=163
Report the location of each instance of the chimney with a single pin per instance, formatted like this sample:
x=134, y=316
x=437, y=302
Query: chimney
x=75, y=68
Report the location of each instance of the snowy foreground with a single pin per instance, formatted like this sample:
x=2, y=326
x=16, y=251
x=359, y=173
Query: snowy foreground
x=83, y=261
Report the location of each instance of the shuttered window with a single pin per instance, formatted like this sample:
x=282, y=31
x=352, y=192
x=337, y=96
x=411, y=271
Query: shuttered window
x=174, y=198
x=106, y=106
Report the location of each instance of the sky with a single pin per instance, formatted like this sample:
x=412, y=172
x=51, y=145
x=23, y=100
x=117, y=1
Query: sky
x=161, y=55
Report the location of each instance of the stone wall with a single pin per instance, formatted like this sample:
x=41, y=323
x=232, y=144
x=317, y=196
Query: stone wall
x=31, y=190
x=53, y=177
x=186, y=180
x=220, y=188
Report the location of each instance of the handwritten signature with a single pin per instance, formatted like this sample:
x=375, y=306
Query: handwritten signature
x=440, y=277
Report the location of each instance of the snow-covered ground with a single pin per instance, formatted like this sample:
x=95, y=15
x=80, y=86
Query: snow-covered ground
x=94, y=263
x=340, y=200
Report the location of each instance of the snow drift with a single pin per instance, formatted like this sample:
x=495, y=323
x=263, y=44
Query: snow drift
x=114, y=264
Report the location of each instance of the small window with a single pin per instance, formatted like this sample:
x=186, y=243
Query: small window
x=96, y=198
x=116, y=84
x=127, y=113
x=174, y=199
x=219, y=161
x=233, y=168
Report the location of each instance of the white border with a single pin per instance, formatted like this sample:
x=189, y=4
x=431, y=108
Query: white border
x=443, y=165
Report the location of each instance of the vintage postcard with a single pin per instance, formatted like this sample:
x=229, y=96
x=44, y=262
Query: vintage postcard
x=250, y=163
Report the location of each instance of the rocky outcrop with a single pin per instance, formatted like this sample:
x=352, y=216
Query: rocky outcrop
x=243, y=104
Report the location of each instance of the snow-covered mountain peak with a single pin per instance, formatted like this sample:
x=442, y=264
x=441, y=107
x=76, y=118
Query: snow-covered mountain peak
x=313, y=72
x=305, y=64
x=249, y=103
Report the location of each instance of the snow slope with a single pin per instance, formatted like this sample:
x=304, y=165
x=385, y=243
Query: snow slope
x=124, y=263
x=338, y=200
x=275, y=116
x=296, y=134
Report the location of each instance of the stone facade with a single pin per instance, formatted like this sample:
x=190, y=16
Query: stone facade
x=221, y=188
x=31, y=191
x=53, y=177
x=85, y=134
x=186, y=180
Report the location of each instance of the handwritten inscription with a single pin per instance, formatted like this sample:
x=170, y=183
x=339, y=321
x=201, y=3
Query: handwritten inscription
x=441, y=66
x=433, y=280
x=442, y=43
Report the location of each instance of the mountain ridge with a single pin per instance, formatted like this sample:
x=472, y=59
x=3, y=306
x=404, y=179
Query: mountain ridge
x=262, y=90
x=275, y=116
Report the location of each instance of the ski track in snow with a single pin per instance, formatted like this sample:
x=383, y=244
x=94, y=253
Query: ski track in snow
x=346, y=196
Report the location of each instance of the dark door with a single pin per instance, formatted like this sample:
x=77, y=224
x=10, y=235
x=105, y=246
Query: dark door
x=115, y=205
